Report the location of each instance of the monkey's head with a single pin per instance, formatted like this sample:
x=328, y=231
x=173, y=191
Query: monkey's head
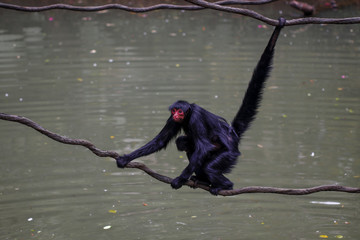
x=179, y=110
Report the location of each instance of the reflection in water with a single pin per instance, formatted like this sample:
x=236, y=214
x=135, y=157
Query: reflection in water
x=110, y=77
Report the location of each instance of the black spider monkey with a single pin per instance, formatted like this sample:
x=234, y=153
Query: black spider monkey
x=211, y=144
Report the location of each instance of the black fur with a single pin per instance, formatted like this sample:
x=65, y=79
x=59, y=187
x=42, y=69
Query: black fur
x=211, y=144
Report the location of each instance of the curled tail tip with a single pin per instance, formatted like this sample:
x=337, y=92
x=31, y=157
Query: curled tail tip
x=282, y=22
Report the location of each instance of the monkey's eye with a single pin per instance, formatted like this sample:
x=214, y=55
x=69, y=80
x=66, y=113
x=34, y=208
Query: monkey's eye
x=173, y=111
x=180, y=111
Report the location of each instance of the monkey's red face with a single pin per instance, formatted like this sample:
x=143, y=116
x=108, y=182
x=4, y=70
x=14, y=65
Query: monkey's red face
x=178, y=115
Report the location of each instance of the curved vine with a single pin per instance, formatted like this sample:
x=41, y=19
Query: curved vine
x=196, y=5
x=102, y=153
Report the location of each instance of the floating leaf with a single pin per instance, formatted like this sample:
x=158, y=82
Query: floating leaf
x=112, y=211
x=324, y=236
x=339, y=236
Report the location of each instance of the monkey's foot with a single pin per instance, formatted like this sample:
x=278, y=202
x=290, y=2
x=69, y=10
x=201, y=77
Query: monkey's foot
x=178, y=182
x=199, y=182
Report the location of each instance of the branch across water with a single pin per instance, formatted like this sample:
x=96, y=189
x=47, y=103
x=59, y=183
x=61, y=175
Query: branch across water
x=103, y=153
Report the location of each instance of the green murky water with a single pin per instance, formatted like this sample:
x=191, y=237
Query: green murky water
x=109, y=77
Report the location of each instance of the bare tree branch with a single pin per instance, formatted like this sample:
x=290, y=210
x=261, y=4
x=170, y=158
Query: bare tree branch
x=253, y=14
x=306, y=8
x=126, y=8
x=197, y=5
x=165, y=179
x=57, y=137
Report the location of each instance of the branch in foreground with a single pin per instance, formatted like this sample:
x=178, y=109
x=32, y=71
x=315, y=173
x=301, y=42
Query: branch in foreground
x=197, y=5
x=165, y=179
x=251, y=189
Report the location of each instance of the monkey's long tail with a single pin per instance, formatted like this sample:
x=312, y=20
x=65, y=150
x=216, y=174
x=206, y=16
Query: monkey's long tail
x=253, y=95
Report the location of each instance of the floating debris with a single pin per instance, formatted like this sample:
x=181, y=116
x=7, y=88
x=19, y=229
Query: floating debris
x=325, y=203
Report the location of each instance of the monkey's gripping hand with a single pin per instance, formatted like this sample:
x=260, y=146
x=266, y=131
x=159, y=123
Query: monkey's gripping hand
x=122, y=161
x=178, y=182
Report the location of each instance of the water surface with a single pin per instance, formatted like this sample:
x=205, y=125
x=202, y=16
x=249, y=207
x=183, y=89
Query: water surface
x=109, y=77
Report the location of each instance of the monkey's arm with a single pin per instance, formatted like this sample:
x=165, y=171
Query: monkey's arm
x=202, y=147
x=194, y=162
x=170, y=130
x=253, y=95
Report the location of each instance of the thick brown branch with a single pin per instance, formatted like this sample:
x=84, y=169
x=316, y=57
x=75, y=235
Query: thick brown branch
x=165, y=179
x=197, y=5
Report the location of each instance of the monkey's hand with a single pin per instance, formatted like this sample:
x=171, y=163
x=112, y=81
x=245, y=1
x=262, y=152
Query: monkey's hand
x=122, y=161
x=178, y=182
